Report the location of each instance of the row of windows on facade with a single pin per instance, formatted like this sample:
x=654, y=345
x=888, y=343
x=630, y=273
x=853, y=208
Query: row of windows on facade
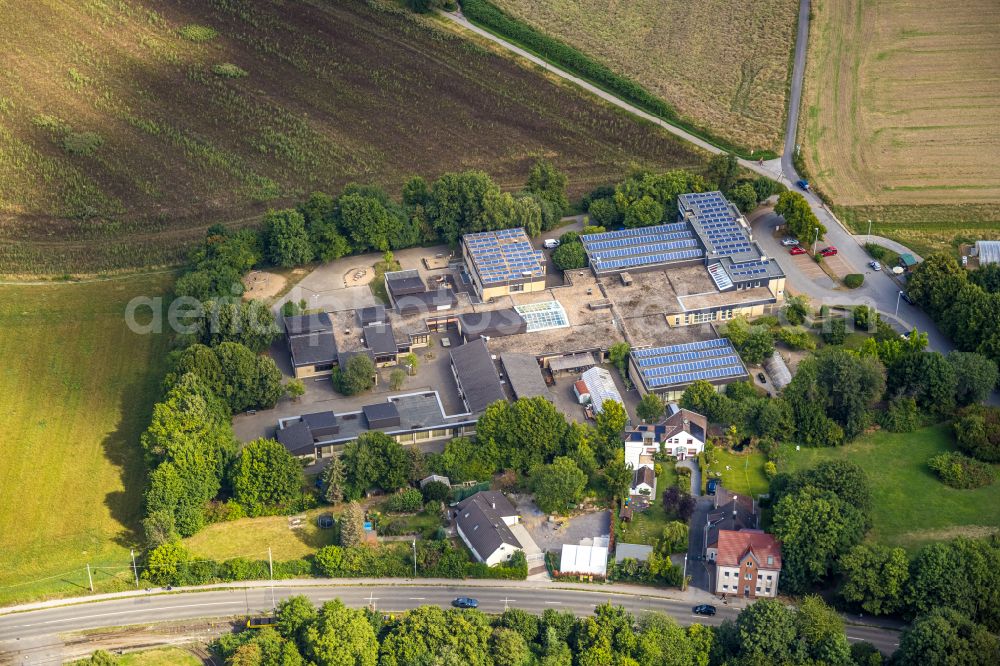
x=737, y=587
x=702, y=317
x=749, y=576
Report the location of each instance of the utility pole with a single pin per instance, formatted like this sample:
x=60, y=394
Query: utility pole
x=135, y=570
x=815, y=239
x=684, y=574
x=897, y=303
x=869, y=231
x=270, y=566
x=414, y=558
x=90, y=578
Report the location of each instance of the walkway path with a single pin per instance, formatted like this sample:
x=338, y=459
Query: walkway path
x=895, y=246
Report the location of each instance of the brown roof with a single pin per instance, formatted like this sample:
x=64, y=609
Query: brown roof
x=735, y=546
x=644, y=475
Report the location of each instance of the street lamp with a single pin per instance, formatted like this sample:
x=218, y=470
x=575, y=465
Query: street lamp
x=815, y=239
x=898, y=296
x=869, y=231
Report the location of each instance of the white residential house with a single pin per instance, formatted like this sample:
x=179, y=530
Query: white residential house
x=747, y=564
x=483, y=522
x=681, y=435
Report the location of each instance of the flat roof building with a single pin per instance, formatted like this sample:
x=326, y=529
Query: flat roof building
x=670, y=369
x=413, y=418
x=503, y=262
x=311, y=344
x=524, y=376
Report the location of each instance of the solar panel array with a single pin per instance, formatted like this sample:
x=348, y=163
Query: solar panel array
x=543, y=316
x=715, y=221
x=638, y=231
x=646, y=259
x=503, y=255
x=682, y=364
x=643, y=246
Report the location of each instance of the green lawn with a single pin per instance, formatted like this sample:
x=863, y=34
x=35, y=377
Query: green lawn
x=742, y=473
x=911, y=506
x=76, y=389
x=647, y=527
x=251, y=537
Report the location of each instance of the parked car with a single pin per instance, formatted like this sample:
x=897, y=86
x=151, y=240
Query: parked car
x=798, y=249
x=804, y=184
x=465, y=602
x=712, y=486
x=703, y=609
x=788, y=241
x=828, y=251
x=551, y=243
x=761, y=377
x=875, y=266
x=906, y=297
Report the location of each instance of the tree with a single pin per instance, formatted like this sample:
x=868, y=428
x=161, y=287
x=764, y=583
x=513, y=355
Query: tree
x=455, y=203
x=875, y=577
x=549, y=184
x=927, y=377
x=603, y=212
x=266, y=476
x=436, y=491
x=341, y=636
x=796, y=309
x=610, y=423
x=101, y=658
x=820, y=631
x=774, y=419
x=764, y=187
x=352, y=525
x=558, y=484
x=744, y=196
x=250, y=323
x=618, y=475
x=163, y=563
x=520, y=435
x=251, y=381
x=674, y=538
x=755, y=343
x=618, y=356
x=643, y=213
x=358, y=376
x=374, y=460
x=945, y=636
x=371, y=220
x=160, y=527
x=935, y=283
x=700, y=397
x=295, y=389
x=430, y=635
x=287, y=241
x=977, y=431
x=799, y=218
x=650, y=408
x=508, y=648
x=834, y=331
x=975, y=374
x=569, y=256
x=396, y=379
x=814, y=527
x=662, y=642
x=722, y=170
x=333, y=481
x=766, y=631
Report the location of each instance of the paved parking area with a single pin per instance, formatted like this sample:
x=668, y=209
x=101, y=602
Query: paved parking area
x=566, y=402
x=838, y=266
x=551, y=536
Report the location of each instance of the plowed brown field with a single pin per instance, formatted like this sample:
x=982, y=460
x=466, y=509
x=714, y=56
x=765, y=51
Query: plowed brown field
x=121, y=139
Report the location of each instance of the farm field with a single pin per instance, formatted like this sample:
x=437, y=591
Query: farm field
x=127, y=128
x=76, y=389
x=722, y=65
x=911, y=506
x=899, y=121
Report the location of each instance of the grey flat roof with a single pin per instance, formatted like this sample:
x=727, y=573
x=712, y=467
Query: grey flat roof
x=426, y=301
x=381, y=415
x=492, y=323
x=584, y=360
x=417, y=411
x=401, y=283
x=371, y=315
x=312, y=348
x=477, y=376
x=380, y=339
x=632, y=551
x=524, y=375
x=308, y=323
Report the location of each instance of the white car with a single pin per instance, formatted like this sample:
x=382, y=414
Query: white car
x=551, y=243
x=875, y=266
x=788, y=242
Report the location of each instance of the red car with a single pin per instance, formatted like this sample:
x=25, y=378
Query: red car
x=798, y=249
x=828, y=251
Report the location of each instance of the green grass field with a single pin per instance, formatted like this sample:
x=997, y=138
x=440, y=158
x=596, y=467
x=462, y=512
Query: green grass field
x=911, y=506
x=742, y=473
x=251, y=537
x=76, y=388
x=647, y=527
x=170, y=656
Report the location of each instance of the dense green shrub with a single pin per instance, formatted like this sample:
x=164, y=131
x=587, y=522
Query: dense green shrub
x=797, y=337
x=834, y=331
x=569, y=256
x=960, y=471
x=82, y=143
x=229, y=70
x=198, y=33
x=978, y=432
x=407, y=500
x=854, y=280
x=901, y=415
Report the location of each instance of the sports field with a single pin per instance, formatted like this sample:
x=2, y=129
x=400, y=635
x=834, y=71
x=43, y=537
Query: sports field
x=128, y=127
x=722, y=65
x=76, y=388
x=911, y=506
x=900, y=121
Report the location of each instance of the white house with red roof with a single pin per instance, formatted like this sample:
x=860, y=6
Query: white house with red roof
x=747, y=563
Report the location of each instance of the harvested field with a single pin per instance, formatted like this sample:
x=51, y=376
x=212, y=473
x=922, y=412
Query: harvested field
x=900, y=120
x=723, y=65
x=126, y=128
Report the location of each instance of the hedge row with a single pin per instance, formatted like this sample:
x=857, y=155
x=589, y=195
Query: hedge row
x=496, y=20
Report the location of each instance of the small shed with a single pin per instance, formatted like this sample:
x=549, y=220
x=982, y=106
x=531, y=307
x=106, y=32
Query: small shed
x=781, y=376
x=907, y=260
x=432, y=478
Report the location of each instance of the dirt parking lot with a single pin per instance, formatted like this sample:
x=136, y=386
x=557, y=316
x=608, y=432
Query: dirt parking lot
x=551, y=536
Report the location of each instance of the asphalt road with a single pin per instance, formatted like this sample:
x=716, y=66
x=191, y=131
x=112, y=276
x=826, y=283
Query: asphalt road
x=27, y=637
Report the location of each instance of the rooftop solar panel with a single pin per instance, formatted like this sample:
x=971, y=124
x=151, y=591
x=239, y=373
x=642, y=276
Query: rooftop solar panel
x=685, y=378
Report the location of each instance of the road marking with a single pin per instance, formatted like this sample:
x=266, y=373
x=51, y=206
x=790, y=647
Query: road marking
x=417, y=598
x=557, y=603
x=125, y=612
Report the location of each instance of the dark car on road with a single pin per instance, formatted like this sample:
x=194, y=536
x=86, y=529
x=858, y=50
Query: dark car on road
x=803, y=184
x=703, y=609
x=712, y=486
x=465, y=602
x=906, y=297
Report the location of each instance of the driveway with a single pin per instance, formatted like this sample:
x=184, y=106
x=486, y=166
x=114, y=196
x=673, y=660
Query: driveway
x=698, y=569
x=692, y=465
